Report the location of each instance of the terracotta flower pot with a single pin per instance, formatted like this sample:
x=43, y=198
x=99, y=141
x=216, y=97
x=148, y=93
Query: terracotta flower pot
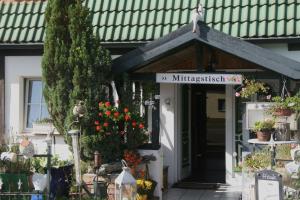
x=263, y=135
x=283, y=112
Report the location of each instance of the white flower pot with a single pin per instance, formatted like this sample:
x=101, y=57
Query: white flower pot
x=39, y=181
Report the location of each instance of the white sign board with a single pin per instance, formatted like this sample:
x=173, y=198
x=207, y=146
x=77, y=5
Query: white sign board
x=199, y=78
x=268, y=190
x=268, y=185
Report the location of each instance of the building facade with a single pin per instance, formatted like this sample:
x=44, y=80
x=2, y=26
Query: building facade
x=199, y=127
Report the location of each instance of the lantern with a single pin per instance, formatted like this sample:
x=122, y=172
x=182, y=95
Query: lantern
x=125, y=185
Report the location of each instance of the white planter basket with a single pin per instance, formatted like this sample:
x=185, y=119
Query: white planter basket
x=42, y=128
x=39, y=181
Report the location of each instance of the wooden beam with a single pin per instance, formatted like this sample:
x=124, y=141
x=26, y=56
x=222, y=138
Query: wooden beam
x=200, y=58
x=2, y=99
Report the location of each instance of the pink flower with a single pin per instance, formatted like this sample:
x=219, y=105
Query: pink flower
x=237, y=94
x=269, y=97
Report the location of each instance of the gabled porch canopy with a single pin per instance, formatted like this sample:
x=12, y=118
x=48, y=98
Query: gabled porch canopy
x=204, y=51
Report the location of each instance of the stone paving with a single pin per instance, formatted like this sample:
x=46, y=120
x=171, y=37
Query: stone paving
x=223, y=193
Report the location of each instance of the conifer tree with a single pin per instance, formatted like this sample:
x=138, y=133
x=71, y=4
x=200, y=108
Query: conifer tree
x=75, y=66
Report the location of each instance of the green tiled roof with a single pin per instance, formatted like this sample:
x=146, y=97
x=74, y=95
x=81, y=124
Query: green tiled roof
x=146, y=20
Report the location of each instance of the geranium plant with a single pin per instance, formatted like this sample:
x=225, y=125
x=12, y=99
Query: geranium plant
x=117, y=129
x=133, y=159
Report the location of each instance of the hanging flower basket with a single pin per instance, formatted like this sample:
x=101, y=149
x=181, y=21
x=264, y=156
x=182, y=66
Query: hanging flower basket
x=284, y=112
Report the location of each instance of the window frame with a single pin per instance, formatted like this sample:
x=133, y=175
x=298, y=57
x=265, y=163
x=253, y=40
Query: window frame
x=26, y=103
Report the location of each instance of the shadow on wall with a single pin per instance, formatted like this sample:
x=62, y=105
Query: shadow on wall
x=168, y=148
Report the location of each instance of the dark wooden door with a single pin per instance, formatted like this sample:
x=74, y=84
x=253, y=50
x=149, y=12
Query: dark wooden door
x=207, y=135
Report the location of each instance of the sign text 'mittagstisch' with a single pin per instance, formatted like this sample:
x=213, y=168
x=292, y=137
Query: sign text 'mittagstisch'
x=203, y=78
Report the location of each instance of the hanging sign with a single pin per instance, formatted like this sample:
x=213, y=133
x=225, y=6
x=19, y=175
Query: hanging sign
x=222, y=79
x=268, y=185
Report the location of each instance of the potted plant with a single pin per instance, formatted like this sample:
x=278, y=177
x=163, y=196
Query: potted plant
x=251, y=87
x=285, y=106
x=145, y=185
x=14, y=173
x=257, y=160
x=263, y=129
x=43, y=126
x=39, y=178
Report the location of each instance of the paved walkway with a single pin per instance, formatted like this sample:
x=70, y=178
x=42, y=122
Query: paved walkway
x=223, y=193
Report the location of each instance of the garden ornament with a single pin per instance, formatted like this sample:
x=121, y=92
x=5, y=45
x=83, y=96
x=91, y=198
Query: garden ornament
x=196, y=16
x=26, y=148
x=125, y=184
x=294, y=166
x=19, y=184
x=79, y=109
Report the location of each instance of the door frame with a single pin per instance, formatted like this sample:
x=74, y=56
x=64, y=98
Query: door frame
x=229, y=133
x=183, y=172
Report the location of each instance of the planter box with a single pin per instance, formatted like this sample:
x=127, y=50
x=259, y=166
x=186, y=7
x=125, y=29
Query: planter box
x=10, y=182
x=42, y=128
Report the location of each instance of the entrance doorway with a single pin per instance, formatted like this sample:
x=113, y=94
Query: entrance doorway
x=207, y=133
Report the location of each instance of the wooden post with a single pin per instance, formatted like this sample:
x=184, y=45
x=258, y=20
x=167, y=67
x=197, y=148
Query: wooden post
x=2, y=98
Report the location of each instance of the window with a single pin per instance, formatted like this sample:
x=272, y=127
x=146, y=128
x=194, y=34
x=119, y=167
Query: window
x=221, y=105
x=35, y=106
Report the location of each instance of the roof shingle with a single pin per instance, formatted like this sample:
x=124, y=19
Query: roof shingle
x=146, y=20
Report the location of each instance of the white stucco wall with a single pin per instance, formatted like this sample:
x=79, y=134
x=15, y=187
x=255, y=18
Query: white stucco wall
x=168, y=129
x=212, y=106
x=282, y=49
x=17, y=69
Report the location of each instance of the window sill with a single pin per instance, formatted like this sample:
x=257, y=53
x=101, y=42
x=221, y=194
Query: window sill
x=33, y=133
x=150, y=146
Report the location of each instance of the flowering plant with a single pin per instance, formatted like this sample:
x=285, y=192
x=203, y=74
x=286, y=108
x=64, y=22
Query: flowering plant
x=251, y=87
x=117, y=128
x=133, y=159
x=145, y=187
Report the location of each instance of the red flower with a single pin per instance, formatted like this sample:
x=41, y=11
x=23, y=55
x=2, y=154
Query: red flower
x=98, y=128
x=126, y=110
x=107, y=104
x=105, y=124
x=107, y=113
x=141, y=126
x=100, y=114
x=116, y=114
x=127, y=117
x=100, y=104
x=133, y=124
x=97, y=122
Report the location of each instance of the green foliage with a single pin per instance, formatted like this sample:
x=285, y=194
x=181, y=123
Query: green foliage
x=290, y=102
x=266, y=125
x=251, y=87
x=21, y=166
x=117, y=128
x=283, y=152
x=39, y=164
x=44, y=121
x=258, y=160
x=75, y=66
